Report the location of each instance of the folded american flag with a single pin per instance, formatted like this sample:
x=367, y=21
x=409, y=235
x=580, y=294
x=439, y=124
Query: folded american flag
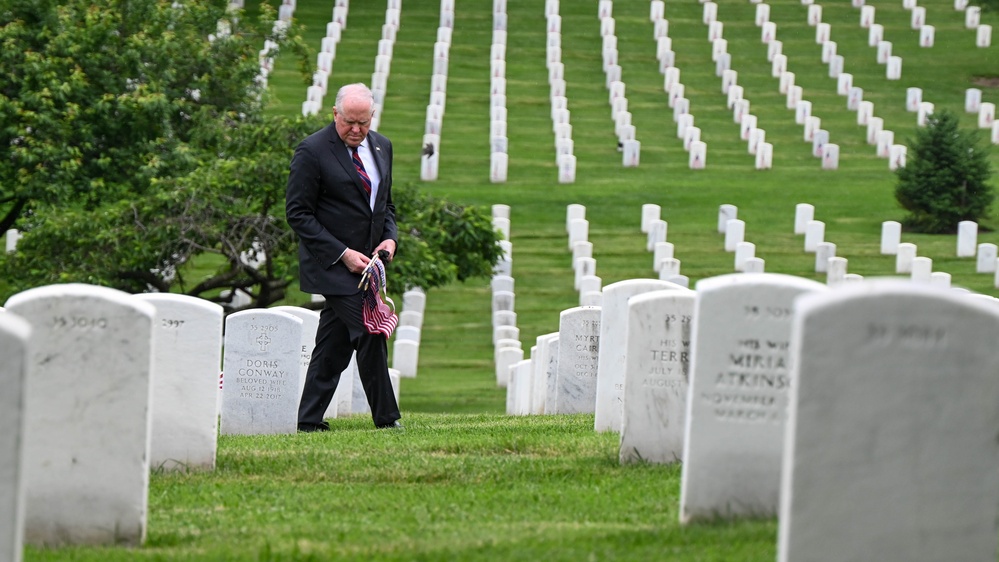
x=378, y=317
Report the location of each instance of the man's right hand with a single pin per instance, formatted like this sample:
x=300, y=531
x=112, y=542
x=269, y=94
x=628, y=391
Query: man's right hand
x=355, y=261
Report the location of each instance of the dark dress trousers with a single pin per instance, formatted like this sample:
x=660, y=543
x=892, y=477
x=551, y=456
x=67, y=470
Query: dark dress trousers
x=327, y=206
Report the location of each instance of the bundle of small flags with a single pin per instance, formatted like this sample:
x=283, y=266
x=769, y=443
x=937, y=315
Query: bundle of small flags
x=378, y=317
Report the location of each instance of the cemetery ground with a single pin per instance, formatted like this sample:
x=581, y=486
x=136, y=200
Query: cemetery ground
x=464, y=481
x=451, y=487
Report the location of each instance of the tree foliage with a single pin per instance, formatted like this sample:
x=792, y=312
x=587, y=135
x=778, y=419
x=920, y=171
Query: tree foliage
x=945, y=178
x=138, y=146
x=99, y=99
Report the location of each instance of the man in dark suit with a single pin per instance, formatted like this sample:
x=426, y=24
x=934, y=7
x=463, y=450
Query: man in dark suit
x=339, y=202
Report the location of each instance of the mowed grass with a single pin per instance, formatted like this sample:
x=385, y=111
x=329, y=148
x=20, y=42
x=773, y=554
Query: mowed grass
x=465, y=482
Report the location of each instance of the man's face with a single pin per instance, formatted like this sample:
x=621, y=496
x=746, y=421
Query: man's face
x=352, y=125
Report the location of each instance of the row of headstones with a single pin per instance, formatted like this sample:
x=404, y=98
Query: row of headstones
x=746, y=382
x=754, y=136
x=624, y=130
x=565, y=159
x=584, y=265
x=697, y=150
x=914, y=103
x=430, y=158
x=507, y=347
x=499, y=158
x=919, y=269
x=327, y=54
x=152, y=400
x=927, y=33
x=656, y=230
x=265, y=57
x=406, y=347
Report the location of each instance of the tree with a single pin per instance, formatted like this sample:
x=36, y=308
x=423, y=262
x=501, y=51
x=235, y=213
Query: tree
x=945, y=178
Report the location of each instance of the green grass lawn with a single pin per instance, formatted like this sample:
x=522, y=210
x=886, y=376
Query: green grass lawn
x=464, y=482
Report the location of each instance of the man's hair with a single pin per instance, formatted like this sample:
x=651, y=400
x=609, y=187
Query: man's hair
x=358, y=89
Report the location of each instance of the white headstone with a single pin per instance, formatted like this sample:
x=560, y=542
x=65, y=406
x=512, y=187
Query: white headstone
x=541, y=360
x=830, y=157
x=86, y=446
x=927, y=35
x=906, y=486
x=660, y=252
x=866, y=16
x=187, y=361
x=735, y=231
x=803, y=214
x=614, y=337
x=824, y=251
x=650, y=212
x=986, y=115
x=657, y=233
x=865, y=110
x=815, y=232
x=579, y=349
x=983, y=36
x=836, y=270
x=875, y=34
x=891, y=236
x=904, y=254
x=726, y=213
x=922, y=268
x=739, y=379
x=506, y=357
x=894, y=68
x=967, y=239
x=972, y=100
x=986, y=258
x=405, y=354
x=656, y=368
x=697, y=159
x=15, y=348
x=814, y=15
x=261, y=366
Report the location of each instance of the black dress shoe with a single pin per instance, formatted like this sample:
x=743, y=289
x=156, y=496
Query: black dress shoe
x=394, y=425
x=312, y=427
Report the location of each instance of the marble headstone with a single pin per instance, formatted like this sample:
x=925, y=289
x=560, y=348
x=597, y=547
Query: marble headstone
x=614, y=336
x=891, y=455
x=15, y=348
x=656, y=376
x=262, y=365
x=739, y=378
x=86, y=446
x=543, y=362
x=579, y=349
x=186, y=365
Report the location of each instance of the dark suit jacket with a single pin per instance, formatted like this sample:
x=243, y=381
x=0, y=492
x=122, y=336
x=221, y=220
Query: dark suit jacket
x=326, y=205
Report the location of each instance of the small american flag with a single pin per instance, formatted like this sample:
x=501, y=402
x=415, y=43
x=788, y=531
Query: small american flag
x=378, y=317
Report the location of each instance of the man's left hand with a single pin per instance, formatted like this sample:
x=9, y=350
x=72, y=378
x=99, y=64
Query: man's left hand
x=388, y=246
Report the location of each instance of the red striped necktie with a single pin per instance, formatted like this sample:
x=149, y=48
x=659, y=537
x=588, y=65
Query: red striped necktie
x=360, y=170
